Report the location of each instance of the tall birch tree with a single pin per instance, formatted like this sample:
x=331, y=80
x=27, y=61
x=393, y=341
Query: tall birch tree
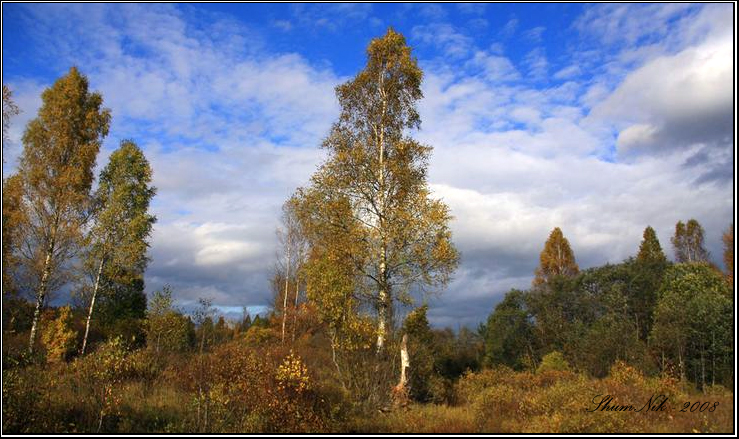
x=122, y=223
x=372, y=191
x=60, y=147
x=688, y=242
x=290, y=263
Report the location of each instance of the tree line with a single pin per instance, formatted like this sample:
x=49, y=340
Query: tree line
x=657, y=315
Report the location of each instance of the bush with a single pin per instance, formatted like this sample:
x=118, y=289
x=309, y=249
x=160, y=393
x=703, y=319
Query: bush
x=553, y=361
x=240, y=389
x=58, y=336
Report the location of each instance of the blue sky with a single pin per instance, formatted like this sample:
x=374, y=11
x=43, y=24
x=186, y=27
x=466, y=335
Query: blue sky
x=600, y=119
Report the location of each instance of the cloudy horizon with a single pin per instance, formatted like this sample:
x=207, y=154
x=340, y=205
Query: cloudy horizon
x=598, y=119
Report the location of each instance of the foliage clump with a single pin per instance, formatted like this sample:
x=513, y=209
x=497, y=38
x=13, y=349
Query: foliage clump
x=553, y=361
x=59, y=336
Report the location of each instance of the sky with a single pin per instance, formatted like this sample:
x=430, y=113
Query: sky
x=599, y=119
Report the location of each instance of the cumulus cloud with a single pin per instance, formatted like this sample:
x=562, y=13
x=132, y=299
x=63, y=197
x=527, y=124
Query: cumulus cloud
x=676, y=101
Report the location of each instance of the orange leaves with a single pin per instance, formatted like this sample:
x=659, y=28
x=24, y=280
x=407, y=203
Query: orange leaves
x=557, y=259
x=59, y=337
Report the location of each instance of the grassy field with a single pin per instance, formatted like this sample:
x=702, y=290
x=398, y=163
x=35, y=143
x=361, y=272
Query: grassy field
x=241, y=389
x=557, y=403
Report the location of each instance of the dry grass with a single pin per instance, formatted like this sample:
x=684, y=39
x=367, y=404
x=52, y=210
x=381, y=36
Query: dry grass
x=246, y=396
x=503, y=401
x=418, y=418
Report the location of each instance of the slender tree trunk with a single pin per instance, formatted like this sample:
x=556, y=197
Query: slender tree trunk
x=295, y=310
x=335, y=361
x=383, y=294
x=703, y=369
x=400, y=391
x=713, y=358
x=40, y=296
x=382, y=316
x=92, y=305
x=284, y=299
x=405, y=362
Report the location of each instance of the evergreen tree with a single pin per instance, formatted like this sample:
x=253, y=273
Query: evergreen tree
x=60, y=147
x=650, y=250
x=556, y=259
x=421, y=353
x=645, y=277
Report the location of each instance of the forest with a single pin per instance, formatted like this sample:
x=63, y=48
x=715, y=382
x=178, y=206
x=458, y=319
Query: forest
x=347, y=346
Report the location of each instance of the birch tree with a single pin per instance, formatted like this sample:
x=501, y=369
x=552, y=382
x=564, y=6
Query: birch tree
x=60, y=147
x=290, y=262
x=10, y=109
x=122, y=223
x=375, y=181
x=688, y=242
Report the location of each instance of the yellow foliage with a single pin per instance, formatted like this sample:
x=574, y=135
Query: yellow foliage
x=292, y=374
x=58, y=336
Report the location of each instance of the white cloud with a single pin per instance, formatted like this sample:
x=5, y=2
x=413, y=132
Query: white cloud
x=284, y=25
x=509, y=28
x=495, y=68
x=537, y=63
x=534, y=35
x=675, y=101
x=568, y=72
x=443, y=37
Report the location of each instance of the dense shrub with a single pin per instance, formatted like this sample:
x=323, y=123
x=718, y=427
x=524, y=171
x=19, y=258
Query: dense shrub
x=238, y=388
x=58, y=336
x=553, y=361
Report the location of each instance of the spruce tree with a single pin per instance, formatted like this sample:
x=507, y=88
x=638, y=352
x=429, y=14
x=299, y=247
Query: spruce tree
x=650, y=250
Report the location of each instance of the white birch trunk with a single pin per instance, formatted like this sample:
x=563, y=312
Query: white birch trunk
x=405, y=362
x=40, y=296
x=284, y=299
x=383, y=294
x=92, y=305
x=295, y=310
